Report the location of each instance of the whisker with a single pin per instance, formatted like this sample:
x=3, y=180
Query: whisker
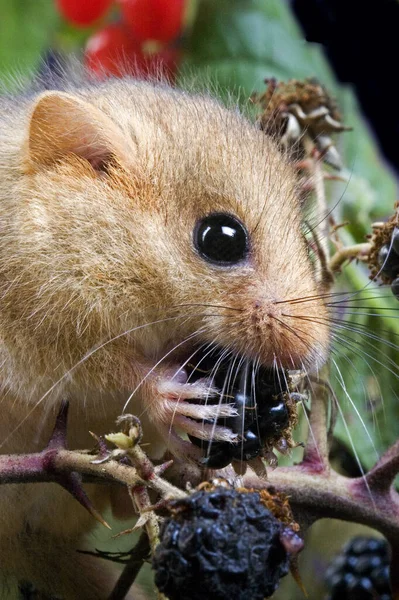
x=353, y=366
x=341, y=381
x=349, y=326
x=301, y=299
x=205, y=305
x=377, y=294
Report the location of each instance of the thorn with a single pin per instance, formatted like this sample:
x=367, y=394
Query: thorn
x=72, y=482
x=381, y=477
x=103, y=453
x=294, y=570
x=293, y=544
x=160, y=469
x=102, y=445
x=124, y=532
x=58, y=439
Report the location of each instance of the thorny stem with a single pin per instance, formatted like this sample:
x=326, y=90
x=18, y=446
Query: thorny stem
x=314, y=489
x=330, y=495
x=141, y=500
x=142, y=503
x=34, y=467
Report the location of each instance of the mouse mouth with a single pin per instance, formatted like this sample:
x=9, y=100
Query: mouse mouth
x=261, y=396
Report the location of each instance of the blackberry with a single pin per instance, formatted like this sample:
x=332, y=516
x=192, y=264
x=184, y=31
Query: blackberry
x=360, y=571
x=258, y=396
x=220, y=544
x=395, y=240
x=389, y=261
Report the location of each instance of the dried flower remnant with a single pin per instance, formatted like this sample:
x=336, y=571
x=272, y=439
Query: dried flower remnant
x=295, y=111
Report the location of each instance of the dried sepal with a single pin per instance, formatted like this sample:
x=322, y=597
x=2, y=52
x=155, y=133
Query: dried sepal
x=295, y=109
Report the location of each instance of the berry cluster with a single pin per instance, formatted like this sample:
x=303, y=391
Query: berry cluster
x=121, y=47
x=220, y=544
x=259, y=397
x=360, y=571
x=388, y=258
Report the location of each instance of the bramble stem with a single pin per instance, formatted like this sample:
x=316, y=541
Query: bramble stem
x=358, y=251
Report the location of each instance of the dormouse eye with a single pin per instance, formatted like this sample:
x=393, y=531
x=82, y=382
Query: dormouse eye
x=221, y=239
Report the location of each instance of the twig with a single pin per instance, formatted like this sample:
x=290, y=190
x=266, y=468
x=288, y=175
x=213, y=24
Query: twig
x=358, y=251
x=128, y=576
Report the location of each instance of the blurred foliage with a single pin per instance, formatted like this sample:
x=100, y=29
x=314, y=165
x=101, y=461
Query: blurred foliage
x=26, y=31
x=233, y=45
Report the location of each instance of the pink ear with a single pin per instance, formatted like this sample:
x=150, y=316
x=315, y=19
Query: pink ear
x=63, y=124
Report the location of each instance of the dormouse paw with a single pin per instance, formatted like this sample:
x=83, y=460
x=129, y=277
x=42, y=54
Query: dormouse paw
x=194, y=409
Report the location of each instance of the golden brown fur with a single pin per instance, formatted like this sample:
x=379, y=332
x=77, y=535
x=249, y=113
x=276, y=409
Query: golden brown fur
x=100, y=189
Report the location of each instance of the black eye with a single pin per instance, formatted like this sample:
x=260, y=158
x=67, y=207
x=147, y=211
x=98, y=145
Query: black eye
x=221, y=239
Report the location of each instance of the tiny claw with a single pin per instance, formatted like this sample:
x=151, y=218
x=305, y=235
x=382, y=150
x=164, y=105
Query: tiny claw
x=205, y=431
x=116, y=454
x=293, y=544
x=296, y=397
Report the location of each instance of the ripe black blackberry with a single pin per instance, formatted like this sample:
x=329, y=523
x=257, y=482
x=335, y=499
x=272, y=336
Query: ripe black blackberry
x=260, y=397
x=360, y=571
x=220, y=544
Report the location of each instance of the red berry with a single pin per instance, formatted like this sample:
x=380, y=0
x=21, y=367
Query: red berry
x=114, y=51
x=162, y=64
x=83, y=12
x=159, y=20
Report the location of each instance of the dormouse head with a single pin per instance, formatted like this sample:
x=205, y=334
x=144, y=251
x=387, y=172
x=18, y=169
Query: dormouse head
x=139, y=204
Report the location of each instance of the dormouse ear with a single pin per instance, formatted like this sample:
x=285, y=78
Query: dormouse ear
x=62, y=124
